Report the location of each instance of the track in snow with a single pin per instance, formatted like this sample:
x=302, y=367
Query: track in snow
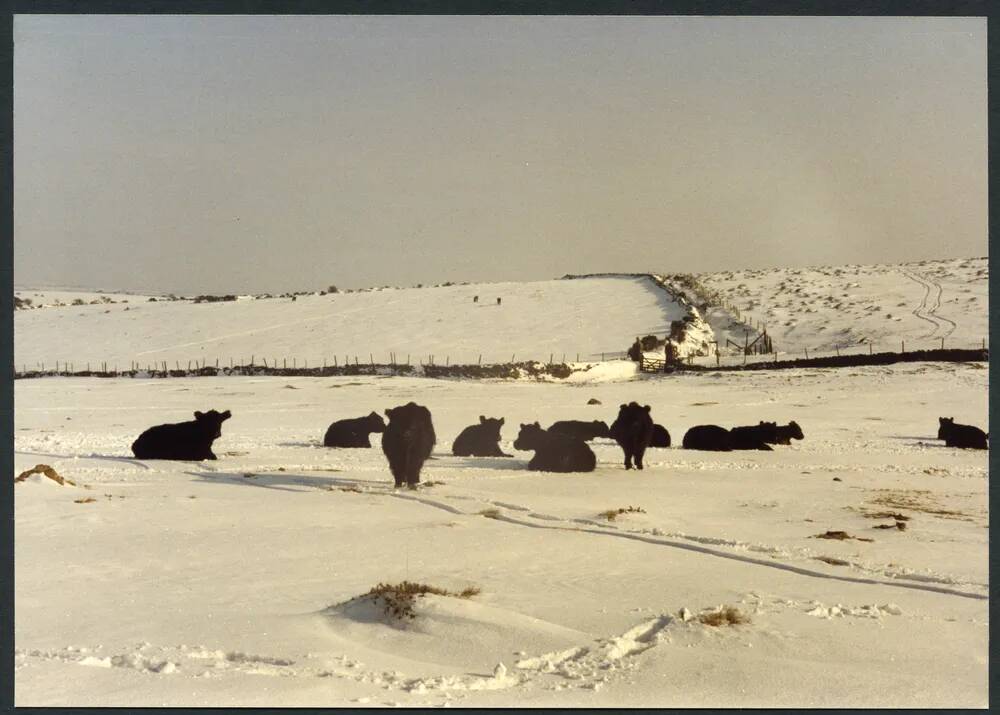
x=927, y=310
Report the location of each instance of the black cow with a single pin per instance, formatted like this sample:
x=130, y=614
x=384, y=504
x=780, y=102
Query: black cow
x=184, y=440
x=353, y=432
x=555, y=452
x=482, y=440
x=633, y=431
x=707, y=437
x=660, y=438
x=956, y=435
x=580, y=429
x=784, y=434
x=754, y=436
x=713, y=438
x=407, y=442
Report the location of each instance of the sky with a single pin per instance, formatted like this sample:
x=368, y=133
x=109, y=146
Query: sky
x=197, y=154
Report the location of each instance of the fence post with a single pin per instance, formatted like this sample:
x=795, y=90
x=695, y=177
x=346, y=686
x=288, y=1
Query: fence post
x=902, y=345
x=942, y=343
x=869, y=348
x=807, y=353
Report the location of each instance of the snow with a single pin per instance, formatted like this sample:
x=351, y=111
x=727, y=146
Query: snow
x=576, y=320
x=831, y=307
x=235, y=582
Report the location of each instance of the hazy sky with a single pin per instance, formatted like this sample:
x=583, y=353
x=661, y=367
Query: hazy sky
x=257, y=153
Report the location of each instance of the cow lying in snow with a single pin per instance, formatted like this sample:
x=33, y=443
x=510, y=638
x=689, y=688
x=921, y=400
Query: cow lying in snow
x=482, y=440
x=660, y=438
x=353, y=432
x=184, y=440
x=407, y=442
x=633, y=431
x=718, y=439
x=580, y=429
x=956, y=435
x=784, y=434
x=554, y=452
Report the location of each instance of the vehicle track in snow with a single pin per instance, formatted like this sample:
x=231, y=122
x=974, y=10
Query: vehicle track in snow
x=929, y=305
x=708, y=546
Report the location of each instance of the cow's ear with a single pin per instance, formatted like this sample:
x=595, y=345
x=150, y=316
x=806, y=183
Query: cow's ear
x=538, y=425
x=623, y=406
x=388, y=413
x=482, y=418
x=501, y=420
x=198, y=415
x=226, y=415
x=647, y=408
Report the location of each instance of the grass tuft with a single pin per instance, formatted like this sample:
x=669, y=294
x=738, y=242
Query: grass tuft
x=612, y=514
x=724, y=616
x=399, y=598
x=490, y=513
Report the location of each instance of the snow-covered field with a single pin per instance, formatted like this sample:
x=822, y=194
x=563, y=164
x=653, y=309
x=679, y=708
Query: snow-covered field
x=832, y=307
x=228, y=583
x=535, y=321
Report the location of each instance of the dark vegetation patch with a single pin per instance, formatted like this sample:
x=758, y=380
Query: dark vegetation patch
x=840, y=536
x=724, y=616
x=612, y=514
x=832, y=561
x=398, y=599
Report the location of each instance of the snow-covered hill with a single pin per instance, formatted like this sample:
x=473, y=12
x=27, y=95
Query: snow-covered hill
x=842, y=307
x=584, y=318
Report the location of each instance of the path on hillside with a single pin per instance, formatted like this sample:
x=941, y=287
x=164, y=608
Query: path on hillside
x=929, y=305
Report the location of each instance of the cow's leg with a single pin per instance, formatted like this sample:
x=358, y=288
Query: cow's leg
x=639, y=452
x=628, y=457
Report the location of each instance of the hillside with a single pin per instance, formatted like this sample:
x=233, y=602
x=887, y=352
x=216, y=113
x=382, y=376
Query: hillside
x=585, y=318
x=830, y=307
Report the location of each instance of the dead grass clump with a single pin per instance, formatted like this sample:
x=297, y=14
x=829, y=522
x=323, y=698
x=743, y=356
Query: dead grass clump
x=399, y=598
x=840, y=536
x=490, y=513
x=48, y=472
x=724, y=616
x=88, y=500
x=612, y=514
x=916, y=500
x=832, y=561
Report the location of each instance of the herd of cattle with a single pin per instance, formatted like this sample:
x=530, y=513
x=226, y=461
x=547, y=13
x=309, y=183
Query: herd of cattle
x=409, y=438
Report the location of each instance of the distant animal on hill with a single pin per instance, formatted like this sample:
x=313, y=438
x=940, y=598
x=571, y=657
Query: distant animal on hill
x=498, y=301
x=633, y=431
x=407, y=442
x=580, y=429
x=784, y=434
x=713, y=438
x=660, y=437
x=481, y=440
x=753, y=436
x=956, y=435
x=555, y=452
x=353, y=432
x=184, y=440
